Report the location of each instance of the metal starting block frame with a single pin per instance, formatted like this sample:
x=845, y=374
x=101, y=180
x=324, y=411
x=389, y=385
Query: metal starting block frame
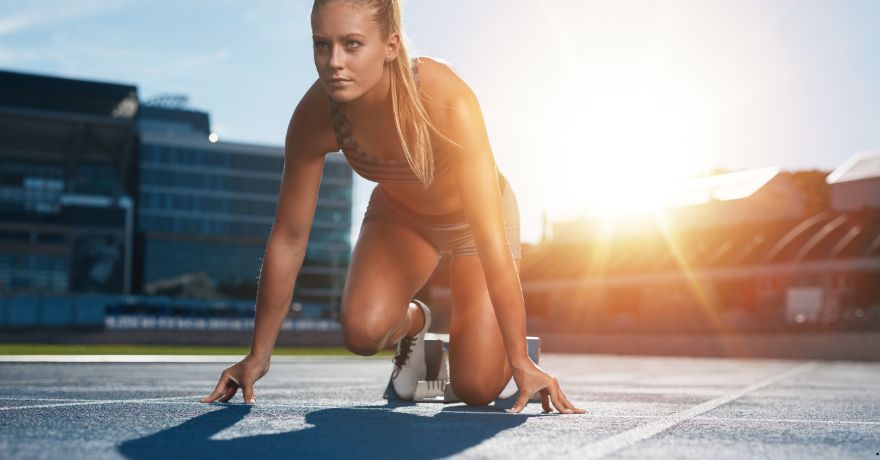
x=437, y=388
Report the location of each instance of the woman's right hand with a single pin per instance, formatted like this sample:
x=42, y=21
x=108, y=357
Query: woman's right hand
x=532, y=379
x=240, y=375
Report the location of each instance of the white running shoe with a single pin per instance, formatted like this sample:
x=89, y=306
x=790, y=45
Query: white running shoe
x=409, y=361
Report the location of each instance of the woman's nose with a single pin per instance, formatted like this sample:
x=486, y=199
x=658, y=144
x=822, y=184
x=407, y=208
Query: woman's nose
x=337, y=58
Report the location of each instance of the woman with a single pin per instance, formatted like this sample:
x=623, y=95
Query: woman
x=415, y=128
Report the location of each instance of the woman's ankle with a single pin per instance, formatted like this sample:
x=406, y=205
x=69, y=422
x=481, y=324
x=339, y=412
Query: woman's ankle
x=417, y=319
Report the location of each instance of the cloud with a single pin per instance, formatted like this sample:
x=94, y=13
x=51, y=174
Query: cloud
x=12, y=57
x=15, y=23
x=285, y=21
x=203, y=59
x=16, y=17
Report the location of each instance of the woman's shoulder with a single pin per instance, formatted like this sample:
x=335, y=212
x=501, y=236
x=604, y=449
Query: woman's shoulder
x=448, y=99
x=312, y=117
x=439, y=79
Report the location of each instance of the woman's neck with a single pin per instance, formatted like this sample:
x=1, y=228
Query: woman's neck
x=375, y=102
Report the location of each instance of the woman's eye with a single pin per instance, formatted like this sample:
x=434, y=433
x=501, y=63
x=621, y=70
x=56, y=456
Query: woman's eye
x=350, y=43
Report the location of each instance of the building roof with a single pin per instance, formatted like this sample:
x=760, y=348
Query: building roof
x=201, y=142
x=174, y=119
x=44, y=93
x=862, y=165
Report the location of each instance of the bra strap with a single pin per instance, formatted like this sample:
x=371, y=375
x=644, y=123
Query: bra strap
x=415, y=67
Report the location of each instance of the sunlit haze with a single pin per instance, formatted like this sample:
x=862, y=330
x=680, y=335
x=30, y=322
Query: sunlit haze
x=592, y=107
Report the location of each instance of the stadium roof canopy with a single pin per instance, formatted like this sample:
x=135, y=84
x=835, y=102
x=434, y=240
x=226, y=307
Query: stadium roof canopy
x=862, y=165
x=826, y=237
x=720, y=187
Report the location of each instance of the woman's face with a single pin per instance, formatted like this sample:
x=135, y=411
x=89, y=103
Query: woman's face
x=347, y=44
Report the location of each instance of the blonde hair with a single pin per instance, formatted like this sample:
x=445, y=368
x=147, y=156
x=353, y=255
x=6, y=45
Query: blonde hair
x=410, y=116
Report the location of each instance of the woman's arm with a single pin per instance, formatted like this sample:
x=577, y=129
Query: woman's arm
x=285, y=251
x=475, y=174
x=473, y=165
x=286, y=248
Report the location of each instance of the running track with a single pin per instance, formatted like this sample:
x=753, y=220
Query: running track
x=639, y=407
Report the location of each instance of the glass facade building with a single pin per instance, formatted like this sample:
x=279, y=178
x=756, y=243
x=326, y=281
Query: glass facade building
x=66, y=170
x=100, y=193
x=205, y=210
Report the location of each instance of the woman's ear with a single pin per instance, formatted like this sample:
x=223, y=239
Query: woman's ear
x=393, y=48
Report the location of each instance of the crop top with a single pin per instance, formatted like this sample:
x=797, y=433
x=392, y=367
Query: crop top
x=372, y=168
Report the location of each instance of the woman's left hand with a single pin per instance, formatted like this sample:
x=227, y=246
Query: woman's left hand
x=532, y=379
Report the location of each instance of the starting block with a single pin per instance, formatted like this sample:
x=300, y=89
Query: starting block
x=437, y=388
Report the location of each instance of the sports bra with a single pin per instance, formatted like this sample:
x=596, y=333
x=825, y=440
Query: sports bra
x=372, y=168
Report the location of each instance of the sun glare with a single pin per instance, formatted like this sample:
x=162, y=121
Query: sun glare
x=638, y=125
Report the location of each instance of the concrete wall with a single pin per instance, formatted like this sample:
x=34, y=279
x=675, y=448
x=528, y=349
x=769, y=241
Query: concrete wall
x=854, y=195
x=831, y=346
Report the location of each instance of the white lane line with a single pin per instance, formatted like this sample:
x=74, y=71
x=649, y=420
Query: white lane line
x=627, y=438
x=786, y=420
x=163, y=358
x=92, y=403
x=746, y=419
x=25, y=398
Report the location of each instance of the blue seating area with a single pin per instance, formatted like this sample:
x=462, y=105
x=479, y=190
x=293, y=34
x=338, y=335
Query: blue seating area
x=93, y=310
x=31, y=310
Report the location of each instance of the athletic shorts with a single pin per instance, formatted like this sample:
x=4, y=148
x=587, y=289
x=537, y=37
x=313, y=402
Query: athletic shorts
x=447, y=233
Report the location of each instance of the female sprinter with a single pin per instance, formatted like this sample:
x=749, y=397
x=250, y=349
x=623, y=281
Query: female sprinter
x=415, y=128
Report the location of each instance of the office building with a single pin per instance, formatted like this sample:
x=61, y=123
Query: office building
x=100, y=193
x=206, y=208
x=66, y=184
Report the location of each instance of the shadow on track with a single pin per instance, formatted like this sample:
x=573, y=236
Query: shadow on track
x=337, y=433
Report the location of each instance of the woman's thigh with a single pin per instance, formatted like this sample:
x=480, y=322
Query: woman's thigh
x=477, y=357
x=390, y=263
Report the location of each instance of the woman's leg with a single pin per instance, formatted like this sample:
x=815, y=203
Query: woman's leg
x=389, y=265
x=477, y=358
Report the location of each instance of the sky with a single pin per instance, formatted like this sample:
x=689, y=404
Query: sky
x=589, y=105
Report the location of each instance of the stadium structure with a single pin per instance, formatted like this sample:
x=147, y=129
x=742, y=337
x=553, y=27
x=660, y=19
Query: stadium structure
x=747, y=251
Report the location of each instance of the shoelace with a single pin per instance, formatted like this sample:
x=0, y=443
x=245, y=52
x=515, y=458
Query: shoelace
x=400, y=359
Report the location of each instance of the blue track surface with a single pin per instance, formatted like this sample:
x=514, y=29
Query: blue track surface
x=332, y=408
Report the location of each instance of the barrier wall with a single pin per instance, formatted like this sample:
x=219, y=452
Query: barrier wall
x=87, y=310
x=25, y=311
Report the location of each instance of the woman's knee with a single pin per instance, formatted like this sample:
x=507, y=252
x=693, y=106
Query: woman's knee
x=477, y=379
x=474, y=392
x=361, y=336
x=362, y=340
